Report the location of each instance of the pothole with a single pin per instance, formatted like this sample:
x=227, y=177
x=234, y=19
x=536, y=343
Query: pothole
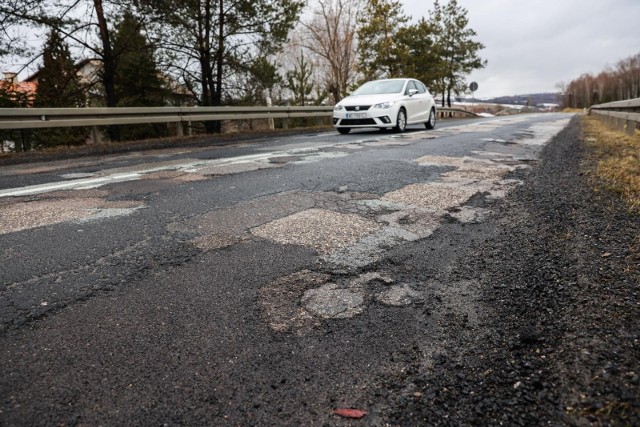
x=400, y=295
x=369, y=249
x=323, y=230
x=27, y=215
x=435, y=197
x=331, y=302
x=468, y=214
x=284, y=159
x=226, y=226
x=280, y=301
x=301, y=301
x=231, y=168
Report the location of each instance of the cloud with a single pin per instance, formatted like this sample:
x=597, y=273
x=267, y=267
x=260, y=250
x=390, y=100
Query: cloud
x=533, y=45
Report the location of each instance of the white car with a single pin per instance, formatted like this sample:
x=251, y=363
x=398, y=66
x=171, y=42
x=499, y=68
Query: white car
x=386, y=104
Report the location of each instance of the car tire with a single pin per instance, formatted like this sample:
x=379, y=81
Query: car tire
x=344, y=131
x=401, y=121
x=431, y=123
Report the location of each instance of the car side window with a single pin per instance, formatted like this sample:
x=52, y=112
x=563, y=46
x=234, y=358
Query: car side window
x=421, y=88
x=411, y=85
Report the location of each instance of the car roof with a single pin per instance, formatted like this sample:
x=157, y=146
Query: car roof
x=395, y=78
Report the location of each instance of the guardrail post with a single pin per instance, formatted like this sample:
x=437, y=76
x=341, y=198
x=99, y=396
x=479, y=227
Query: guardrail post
x=272, y=125
x=96, y=135
x=179, y=129
x=631, y=127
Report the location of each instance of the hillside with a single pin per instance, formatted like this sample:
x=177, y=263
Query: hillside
x=532, y=99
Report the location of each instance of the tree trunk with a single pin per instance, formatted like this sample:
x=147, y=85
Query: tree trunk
x=209, y=86
x=109, y=64
x=217, y=89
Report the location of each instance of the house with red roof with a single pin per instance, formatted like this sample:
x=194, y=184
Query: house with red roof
x=22, y=93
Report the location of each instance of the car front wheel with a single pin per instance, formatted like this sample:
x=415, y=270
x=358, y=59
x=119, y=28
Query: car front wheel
x=344, y=131
x=431, y=123
x=401, y=122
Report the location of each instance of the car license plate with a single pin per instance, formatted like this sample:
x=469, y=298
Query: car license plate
x=356, y=115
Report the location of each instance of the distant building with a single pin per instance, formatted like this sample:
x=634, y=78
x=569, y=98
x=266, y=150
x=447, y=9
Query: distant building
x=13, y=88
x=88, y=72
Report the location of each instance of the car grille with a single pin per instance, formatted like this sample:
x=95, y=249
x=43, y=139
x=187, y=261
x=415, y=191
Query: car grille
x=357, y=122
x=358, y=108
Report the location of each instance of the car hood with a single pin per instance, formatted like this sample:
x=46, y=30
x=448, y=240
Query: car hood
x=369, y=99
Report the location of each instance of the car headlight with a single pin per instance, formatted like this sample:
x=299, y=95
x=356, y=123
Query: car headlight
x=338, y=107
x=384, y=105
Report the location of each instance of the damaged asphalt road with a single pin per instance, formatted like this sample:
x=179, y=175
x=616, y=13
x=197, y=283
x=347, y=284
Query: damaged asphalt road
x=452, y=277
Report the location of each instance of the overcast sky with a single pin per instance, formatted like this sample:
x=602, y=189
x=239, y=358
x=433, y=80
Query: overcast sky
x=531, y=45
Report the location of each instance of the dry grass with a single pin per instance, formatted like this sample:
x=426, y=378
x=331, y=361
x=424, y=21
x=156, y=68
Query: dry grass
x=616, y=159
x=573, y=110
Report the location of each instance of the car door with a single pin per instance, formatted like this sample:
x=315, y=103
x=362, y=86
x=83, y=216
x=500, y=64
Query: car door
x=412, y=102
x=424, y=106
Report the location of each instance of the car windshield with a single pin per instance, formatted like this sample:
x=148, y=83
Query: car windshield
x=380, y=86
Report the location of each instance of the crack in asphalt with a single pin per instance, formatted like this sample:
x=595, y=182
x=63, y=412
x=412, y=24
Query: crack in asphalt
x=390, y=212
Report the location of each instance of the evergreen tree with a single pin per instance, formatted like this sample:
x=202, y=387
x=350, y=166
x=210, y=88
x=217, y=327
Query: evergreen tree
x=301, y=85
x=58, y=83
x=11, y=97
x=299, y=81
x=58, y=87
x=137, y=78
x=264, y=78
x=420, y=54
x=456, y=48
x=380, y=54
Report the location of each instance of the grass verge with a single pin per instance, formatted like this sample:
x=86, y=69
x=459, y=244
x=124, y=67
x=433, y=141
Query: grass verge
x=616, y=159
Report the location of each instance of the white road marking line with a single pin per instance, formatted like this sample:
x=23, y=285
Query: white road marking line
x=547, y=131
x=76, y=184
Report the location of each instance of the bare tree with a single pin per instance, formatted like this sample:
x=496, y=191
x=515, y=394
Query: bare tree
x=628, y=71
x=613, y=84
x=330, y=34
x=211, y=43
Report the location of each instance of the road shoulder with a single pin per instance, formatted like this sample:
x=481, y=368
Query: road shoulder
x=558, y=338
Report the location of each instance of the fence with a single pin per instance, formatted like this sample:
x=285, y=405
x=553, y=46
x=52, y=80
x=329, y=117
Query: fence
x=622, y=115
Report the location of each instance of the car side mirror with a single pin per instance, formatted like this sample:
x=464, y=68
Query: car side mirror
x=413, y=92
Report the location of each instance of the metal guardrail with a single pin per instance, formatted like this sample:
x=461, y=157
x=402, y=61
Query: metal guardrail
x=623, y=115
x=37, y=118
x=454, y=112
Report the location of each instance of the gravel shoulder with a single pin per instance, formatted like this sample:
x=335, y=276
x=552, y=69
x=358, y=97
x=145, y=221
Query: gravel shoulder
x=557, y=339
